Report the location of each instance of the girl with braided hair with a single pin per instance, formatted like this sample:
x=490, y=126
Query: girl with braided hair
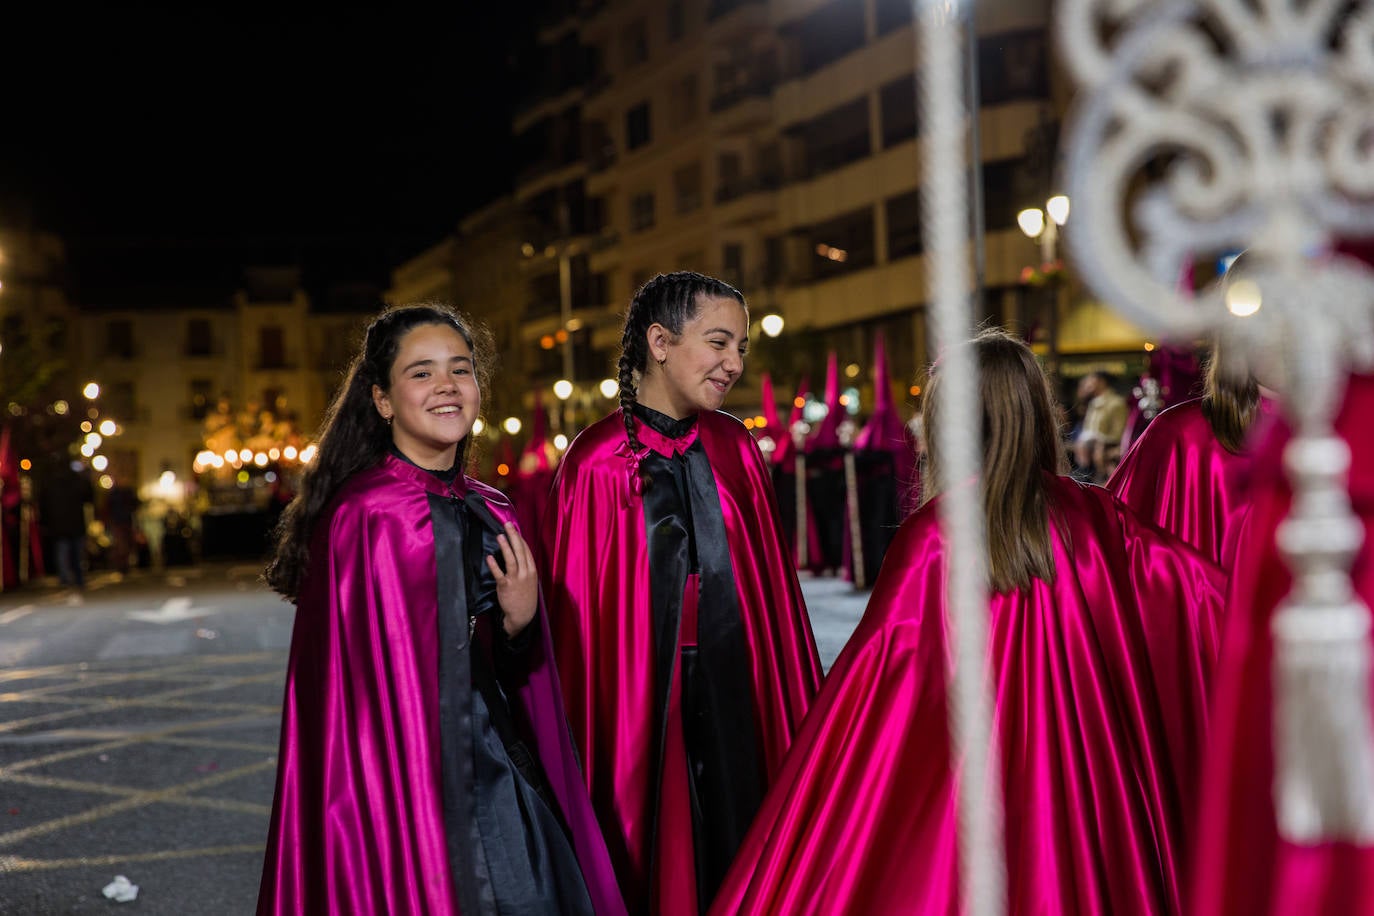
x=681, y=635
x=425, y=764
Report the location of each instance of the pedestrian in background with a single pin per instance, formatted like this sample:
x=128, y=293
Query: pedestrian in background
x=686, y=653
x=64, y=494
x=1097, y=446
x=425, y=764
x=1101, y=636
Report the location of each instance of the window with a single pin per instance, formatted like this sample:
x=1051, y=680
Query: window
x=120, y=401
x=199, y=339
x=638, y=131
x=687, y=188
x=202, y=397
x=897, y=101
x=642, y=211
x=596, y=214
x=1001, y=197
x=842, y=244
x=828, y=34
x=904, y=226
x=892, y=14
x=600, y=148
x=634, y=42
x=1013, y=67
x=686, y=101
x=732, y=264
x=677, y=20
x=837, y=138
x=119, y=338
x=271, y=347
x=774, y=260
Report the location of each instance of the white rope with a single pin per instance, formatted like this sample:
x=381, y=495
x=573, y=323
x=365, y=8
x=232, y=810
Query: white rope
x=944, y=118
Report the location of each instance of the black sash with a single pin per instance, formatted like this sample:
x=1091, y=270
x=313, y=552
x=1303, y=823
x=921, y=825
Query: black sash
x=471, y=877
x=686, y=533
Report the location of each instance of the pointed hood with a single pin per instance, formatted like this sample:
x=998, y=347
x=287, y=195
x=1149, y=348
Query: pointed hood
x=785, y=453
x=884, y=430
x=772, y=422
x=535, y=457
x=827, y=434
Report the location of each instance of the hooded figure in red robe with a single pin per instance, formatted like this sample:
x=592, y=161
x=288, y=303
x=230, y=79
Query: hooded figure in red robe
x=685, y=651
x=885, y=471
x=1101, y=636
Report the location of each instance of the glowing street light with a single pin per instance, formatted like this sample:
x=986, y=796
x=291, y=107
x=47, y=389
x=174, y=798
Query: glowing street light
x=511, y=425
x=91, y=391
x=1243, y=298
x=1058, y=209
x=1032, y=222
x=107, y=428
x=563, y=389
x=771, y=324
x=609, y=388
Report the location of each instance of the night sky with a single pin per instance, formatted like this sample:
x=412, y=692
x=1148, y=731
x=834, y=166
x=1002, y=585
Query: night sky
x=171, y=149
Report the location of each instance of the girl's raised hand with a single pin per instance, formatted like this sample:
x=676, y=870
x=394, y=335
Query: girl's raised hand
x=517, y=589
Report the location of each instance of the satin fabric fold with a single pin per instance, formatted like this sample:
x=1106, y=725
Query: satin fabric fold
x=1099, y=699
x=1180, y=477
x=357, y=823
x=1243, y=866
x=599, y=586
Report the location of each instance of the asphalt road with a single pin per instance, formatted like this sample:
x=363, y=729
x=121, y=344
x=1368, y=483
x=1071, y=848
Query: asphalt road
x=138, y=737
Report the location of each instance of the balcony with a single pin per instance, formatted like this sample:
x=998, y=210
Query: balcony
x=745, y=185
x=720, y=8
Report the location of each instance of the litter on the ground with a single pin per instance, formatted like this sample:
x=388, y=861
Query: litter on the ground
x=120, y=890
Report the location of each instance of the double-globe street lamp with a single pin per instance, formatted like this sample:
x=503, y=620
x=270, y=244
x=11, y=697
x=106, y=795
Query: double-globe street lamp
x=1043, y=225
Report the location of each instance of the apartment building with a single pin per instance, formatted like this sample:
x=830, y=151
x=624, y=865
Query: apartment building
x=166, y=374
x=775, y=143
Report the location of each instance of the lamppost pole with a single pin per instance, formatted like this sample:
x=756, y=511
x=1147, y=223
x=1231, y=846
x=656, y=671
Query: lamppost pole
x=1042, y=225
x=565, y=305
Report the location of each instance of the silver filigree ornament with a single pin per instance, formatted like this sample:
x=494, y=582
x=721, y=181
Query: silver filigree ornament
x=1207, y=126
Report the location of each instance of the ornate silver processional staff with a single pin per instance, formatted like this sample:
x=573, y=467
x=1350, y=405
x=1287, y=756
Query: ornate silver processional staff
x=1207, y=126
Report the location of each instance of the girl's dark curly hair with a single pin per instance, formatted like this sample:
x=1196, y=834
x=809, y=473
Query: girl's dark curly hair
x=354, y=436
x=672, y=300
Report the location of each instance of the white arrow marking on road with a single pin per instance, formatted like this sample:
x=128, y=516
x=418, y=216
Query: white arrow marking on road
x=23, y=610
x=173, y=610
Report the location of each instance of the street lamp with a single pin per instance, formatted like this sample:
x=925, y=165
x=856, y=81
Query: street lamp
x=771, y=324
x=1043, y=225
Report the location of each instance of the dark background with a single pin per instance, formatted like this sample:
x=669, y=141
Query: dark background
x=172, y=147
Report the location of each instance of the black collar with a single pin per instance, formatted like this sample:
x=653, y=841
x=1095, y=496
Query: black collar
x=663, y=424
x=446, y=477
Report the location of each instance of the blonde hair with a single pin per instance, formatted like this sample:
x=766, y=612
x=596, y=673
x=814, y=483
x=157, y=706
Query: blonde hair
x=1020, y=438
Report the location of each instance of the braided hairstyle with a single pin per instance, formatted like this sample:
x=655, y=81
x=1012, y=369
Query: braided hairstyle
x=354, y=436
x=672, y=300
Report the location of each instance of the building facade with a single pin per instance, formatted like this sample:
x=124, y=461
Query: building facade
x=253, y=376
x=776, y=144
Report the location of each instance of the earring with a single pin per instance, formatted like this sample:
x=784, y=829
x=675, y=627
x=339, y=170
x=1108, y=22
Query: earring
x=388, y=420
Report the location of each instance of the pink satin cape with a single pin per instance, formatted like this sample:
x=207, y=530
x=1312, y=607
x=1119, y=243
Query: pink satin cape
x=1100, y=683
x=357, y=823
x=1180, y=477
x=597, y=587
x=1243, y=866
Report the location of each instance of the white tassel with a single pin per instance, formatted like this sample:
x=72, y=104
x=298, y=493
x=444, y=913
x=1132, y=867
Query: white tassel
x=1323, y=742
